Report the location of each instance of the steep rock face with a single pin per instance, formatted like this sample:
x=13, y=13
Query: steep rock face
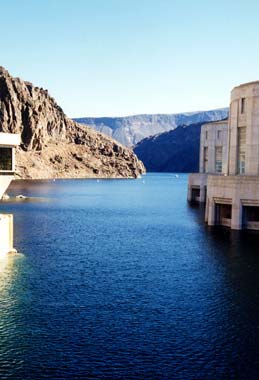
x=130, y=130
x=173, y=151
x=52, y=144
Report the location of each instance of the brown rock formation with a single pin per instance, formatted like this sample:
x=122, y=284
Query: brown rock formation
x=54, y=146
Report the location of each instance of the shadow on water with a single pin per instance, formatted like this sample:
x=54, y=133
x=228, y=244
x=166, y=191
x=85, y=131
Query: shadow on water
x=243, y=241
x=235, y=255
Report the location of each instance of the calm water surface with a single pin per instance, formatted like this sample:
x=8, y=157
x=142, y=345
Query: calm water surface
x=121, y=279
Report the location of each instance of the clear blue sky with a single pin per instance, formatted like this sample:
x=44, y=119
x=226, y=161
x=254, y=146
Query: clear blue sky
x=122, y=57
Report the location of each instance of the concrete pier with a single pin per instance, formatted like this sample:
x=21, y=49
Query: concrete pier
x=6, y=234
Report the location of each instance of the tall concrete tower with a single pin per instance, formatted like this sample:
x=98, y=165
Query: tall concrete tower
x=244, y=130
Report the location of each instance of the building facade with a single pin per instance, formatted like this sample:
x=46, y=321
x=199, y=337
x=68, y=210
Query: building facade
x=213, y=159
x=233, y=200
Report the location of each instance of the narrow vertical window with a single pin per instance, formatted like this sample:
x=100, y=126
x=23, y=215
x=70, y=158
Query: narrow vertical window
x=206, y=135
x=242, y=105
x=205, y=159
x=218, y=159
x=218, y=135
x=241, y=153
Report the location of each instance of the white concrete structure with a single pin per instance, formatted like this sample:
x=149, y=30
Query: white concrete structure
x=214, y=148
x=8, y=143
x=213, y=158
x=9, y=139
x=233, y=200
x=6, y=234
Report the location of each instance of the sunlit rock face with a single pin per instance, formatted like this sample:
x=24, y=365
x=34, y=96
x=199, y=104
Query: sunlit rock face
x=52, y=144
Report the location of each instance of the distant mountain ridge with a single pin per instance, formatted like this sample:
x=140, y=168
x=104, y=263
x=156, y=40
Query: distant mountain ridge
x=129, y=130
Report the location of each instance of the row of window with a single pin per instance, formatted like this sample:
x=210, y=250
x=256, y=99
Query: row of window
x=218, y=159
x=219, y=134
x=241, y=154
x=241, y=149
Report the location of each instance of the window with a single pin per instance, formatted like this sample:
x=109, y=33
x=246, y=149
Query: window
x=205, y=159
x=241, y=158
x=206, y=135
x=218, y=159
x=6, y=159
x=242, y=110
x=219, y=134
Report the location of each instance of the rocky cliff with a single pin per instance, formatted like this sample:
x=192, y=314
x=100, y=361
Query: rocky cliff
x=174, y=151
x=130, y=130
x=54, y=146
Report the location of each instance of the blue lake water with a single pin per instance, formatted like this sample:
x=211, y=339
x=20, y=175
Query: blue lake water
x=121, y=279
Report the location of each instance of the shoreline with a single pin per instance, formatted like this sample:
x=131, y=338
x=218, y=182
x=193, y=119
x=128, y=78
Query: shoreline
x=16, y=180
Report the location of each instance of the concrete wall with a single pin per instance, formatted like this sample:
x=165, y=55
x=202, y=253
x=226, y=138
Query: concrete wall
x=10, y=139
x=5, y=181
x=6, y=233
x=213, y=135
x=249, y=119
x=6, y=220
x=209, y=138
x=238, y=191
x=197, y=181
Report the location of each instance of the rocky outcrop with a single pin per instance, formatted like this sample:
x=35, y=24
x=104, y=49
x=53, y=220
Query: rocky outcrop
x=54, y=146
x=130, y=130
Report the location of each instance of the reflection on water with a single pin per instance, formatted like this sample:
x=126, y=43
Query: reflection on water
x=8, y=270
x=123, y=280
x=6, y=264
x=10, y=323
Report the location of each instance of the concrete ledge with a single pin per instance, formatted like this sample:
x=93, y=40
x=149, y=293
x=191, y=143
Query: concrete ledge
x=239, y=192
x=237, y=188
x=197, y=181
x=10, y=139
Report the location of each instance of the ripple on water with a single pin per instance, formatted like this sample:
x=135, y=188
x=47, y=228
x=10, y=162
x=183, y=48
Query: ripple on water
x=121, y=280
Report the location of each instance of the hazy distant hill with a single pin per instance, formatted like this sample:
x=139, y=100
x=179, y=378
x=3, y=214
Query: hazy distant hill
x=130, y=130
x=173, y=151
